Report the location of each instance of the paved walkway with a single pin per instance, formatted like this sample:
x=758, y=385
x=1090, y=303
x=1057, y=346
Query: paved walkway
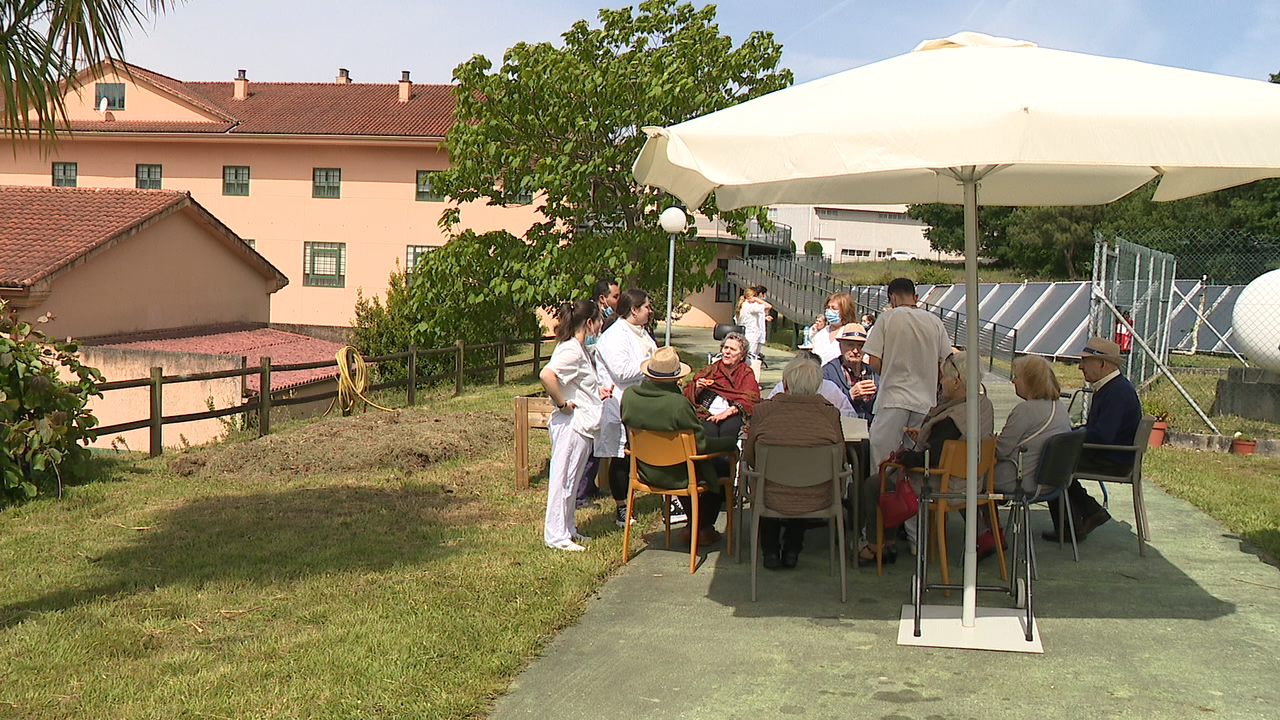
x=1190, y=631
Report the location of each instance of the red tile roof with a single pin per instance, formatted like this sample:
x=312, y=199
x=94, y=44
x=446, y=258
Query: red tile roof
x=284, y=348
x=45, y=229
x=298, y=109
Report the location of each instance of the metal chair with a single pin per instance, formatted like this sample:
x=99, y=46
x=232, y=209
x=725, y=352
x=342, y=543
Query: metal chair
x=1057, y=465
x=665, y=449
x=1133, y=478
x=800, y=467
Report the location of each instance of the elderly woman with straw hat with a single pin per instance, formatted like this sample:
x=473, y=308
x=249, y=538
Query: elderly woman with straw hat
x=658, y=404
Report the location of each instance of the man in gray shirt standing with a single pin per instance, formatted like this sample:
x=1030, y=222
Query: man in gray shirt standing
x=906, y=346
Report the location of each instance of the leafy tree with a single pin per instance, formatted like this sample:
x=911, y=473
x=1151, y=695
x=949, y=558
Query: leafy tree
x=1053, y=241
x=43, y=43
x=946, y=227
x=43, y=421
x=562, y=124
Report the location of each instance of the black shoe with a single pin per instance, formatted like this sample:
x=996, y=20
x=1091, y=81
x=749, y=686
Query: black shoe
x=890, y=557
x=1092, y=522
x=620, y=518
x=790, y=558
x=772, y=561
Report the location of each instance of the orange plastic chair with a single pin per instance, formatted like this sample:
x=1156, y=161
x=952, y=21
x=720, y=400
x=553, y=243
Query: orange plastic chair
x=674, y=448
x=952, y=465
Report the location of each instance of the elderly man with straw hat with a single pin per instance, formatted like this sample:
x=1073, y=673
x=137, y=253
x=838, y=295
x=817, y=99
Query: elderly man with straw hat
x=658, y=404
x=1114, y=415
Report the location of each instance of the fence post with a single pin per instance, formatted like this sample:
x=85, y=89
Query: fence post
x=457, y=380
x=264, y=397
x=537, y=353
x=413, y=374
x=992, y=364
x=157, y=411
x=502, y=360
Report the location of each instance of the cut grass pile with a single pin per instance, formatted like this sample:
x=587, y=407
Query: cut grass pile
x=1240, y=491
x=375, y=566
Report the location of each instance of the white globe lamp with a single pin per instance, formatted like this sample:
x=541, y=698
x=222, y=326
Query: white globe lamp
x=674, y=221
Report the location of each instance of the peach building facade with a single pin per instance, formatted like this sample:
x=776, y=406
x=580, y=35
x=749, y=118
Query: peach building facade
x=322, y=179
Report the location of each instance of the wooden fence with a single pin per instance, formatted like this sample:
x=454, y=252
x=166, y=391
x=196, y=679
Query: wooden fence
x=263, y=404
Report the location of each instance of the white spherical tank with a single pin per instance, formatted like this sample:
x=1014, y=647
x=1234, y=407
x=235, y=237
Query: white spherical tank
x=1256, y=322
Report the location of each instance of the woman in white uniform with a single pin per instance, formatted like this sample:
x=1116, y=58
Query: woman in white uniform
x=619, y=353
x=571, y=383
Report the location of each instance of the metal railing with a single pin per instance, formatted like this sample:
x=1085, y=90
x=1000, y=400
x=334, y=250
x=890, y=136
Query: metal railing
x=799, y=286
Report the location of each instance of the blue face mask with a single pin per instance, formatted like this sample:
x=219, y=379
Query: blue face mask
x=833, y=316
x=608, y=311
x=590, y=340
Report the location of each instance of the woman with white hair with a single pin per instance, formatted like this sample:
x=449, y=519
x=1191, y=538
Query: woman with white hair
x=798, y=417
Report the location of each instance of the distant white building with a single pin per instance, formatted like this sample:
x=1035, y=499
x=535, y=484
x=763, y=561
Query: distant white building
x=851, y=233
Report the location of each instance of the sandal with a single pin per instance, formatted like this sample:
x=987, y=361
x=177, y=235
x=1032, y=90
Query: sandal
x=867, y=557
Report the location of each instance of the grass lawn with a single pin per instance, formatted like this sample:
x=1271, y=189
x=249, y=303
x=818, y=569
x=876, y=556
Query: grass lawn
x=923, y=272
x=1240, y=491
x=376, y=566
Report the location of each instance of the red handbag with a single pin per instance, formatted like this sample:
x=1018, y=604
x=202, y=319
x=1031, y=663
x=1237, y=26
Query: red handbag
x=899, y=504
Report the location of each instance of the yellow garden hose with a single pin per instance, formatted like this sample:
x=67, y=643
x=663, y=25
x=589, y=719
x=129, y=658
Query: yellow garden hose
x=351, y=384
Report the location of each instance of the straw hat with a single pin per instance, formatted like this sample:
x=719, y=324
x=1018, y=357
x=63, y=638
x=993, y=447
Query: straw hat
x=852, y=331
x=665, y=365
x=1103, y=349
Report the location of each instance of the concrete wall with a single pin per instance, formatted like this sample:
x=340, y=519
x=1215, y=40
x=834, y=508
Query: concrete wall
x=174, y=273
x=141, y=102
x=118, y=406
x=704, y=311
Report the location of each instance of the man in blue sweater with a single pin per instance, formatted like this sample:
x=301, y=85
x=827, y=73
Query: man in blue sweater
x=853, y=376
x=1114, y=415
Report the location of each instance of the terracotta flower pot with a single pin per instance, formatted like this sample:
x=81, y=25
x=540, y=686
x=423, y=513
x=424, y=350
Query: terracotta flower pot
x=1157, y=433
x=1244, y=447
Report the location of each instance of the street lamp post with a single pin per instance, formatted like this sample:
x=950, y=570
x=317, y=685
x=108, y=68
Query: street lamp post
x=674, y=221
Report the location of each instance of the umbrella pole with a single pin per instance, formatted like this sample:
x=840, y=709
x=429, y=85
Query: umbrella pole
x=973, y=381
x=671, y=276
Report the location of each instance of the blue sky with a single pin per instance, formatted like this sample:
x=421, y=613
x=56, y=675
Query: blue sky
x=297, y=40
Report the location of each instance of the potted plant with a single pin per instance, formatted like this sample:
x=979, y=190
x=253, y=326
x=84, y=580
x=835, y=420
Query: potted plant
x=1243, y=444
x=1156, y=408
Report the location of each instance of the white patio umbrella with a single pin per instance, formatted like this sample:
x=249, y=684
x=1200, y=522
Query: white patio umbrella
x=975, y=115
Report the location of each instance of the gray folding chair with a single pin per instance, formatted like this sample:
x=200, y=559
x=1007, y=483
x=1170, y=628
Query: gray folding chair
x=1139, y=447
x=1057, y=465
x=800, y=467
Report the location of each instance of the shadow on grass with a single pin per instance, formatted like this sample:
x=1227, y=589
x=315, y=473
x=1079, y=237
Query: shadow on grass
x=274, y=537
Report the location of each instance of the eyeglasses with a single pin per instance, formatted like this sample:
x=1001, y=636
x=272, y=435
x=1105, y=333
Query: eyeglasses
x=952, y=360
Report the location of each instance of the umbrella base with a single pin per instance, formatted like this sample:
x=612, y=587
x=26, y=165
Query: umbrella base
x=1000, y=629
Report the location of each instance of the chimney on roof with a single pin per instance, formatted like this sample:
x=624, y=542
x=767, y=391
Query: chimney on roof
x=241, y=87
x=344, y=77
x=406, y=87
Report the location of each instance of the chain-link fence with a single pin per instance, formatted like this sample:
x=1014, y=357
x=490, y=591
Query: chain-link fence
x=1210, y=321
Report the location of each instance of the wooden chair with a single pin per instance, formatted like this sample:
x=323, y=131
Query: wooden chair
x=952, y=465
x=665, y=449
x=800, y=467
x=1134, y=478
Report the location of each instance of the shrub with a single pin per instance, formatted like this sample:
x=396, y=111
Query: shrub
x=43, y=422
x=812, y=247
x=934, y=275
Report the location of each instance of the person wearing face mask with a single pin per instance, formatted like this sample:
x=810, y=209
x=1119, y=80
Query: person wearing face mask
x=605, y=294
x=569, y=379
x=840, y=309
x=619, y=353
